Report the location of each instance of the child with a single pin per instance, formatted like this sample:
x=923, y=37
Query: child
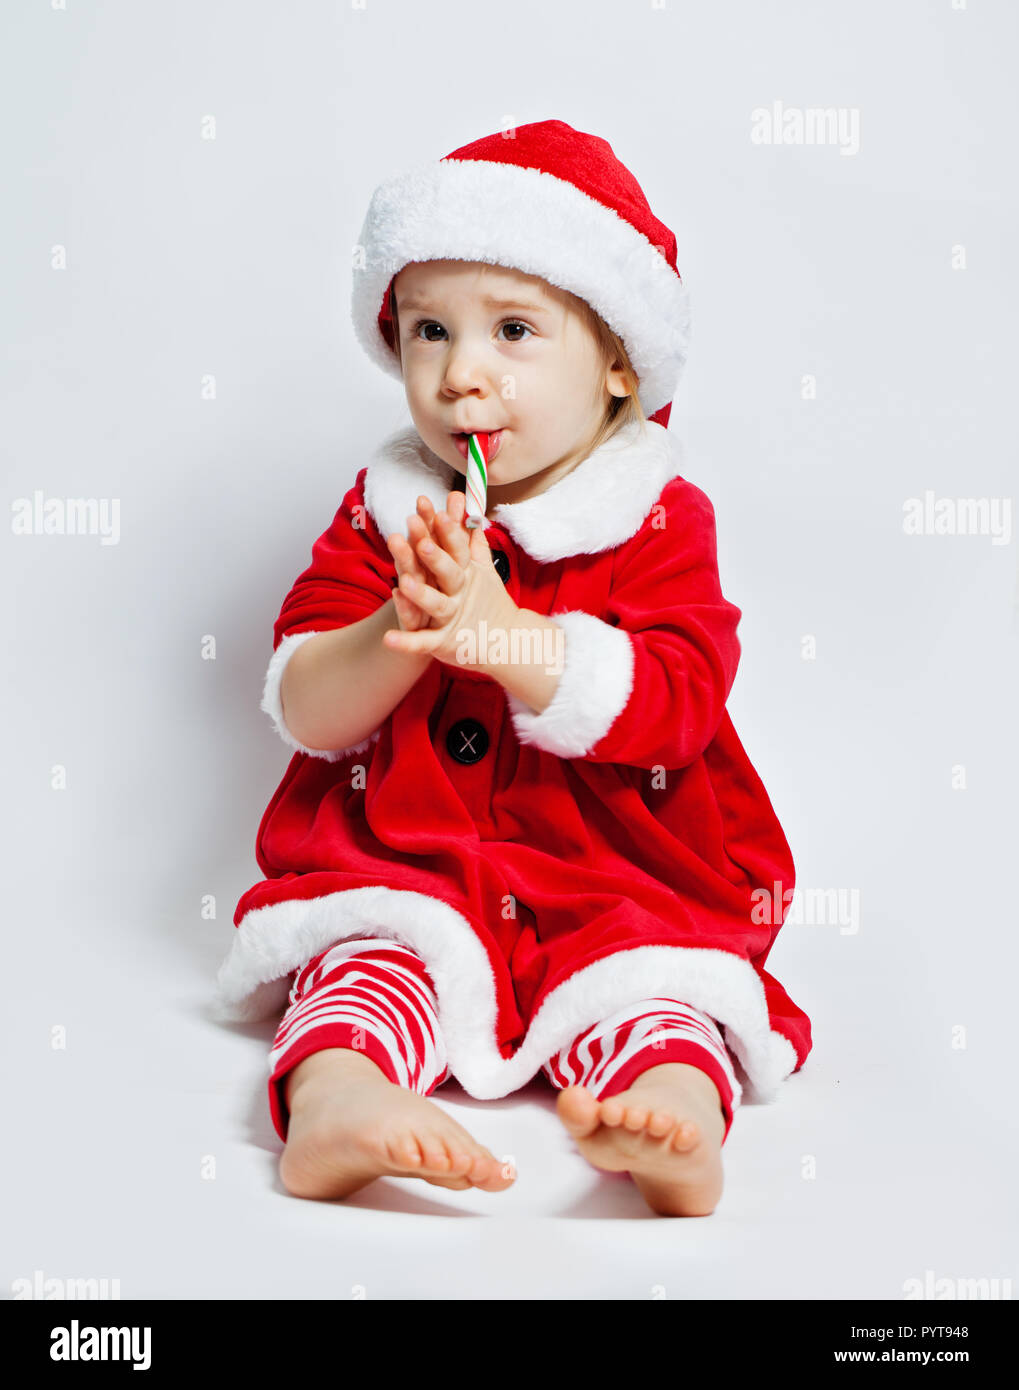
x=519, y=832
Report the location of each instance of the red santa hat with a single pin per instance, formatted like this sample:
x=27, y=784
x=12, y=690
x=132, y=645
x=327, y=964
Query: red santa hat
x=547, y=200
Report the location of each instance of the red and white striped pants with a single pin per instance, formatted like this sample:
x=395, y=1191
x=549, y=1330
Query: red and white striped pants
x=376, y=996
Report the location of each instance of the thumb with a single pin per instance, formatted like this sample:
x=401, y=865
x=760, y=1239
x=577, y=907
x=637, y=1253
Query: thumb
x=479, y=547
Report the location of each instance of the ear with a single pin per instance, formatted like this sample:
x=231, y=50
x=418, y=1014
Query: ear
x=615, y=380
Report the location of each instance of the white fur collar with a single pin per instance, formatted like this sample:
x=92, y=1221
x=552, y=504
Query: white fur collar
x=603, y=502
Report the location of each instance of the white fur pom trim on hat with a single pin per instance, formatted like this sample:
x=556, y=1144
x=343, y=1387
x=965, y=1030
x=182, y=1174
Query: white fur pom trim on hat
x=531, y=221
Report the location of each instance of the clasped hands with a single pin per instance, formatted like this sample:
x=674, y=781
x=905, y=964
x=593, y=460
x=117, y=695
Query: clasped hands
x=446, y=583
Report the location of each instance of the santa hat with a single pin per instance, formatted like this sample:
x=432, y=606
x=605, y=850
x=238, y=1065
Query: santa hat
x=546, y=200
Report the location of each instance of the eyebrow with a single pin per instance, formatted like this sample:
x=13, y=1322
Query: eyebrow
x=490, y=301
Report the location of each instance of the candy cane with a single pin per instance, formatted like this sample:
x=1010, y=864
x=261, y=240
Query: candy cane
x=477, y=479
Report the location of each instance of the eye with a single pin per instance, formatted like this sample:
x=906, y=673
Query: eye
x=426, y=323
x=512, y=324
x=515, y=323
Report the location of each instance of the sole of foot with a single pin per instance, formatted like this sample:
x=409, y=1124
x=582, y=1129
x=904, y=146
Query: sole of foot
x=349, y=1124
x=665, y=1131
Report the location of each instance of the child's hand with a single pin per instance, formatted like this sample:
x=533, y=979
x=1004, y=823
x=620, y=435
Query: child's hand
x=461, y=588
x=419, y=528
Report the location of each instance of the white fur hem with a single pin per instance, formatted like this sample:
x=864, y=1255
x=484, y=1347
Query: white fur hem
x=272, y=942
x=593, y=689
x=273, y=705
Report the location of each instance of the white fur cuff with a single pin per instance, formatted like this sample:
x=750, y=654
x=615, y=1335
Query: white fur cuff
x=273, y=705
x=593, y=689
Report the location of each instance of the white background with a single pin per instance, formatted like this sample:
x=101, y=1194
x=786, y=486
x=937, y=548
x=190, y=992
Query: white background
x=231, y=257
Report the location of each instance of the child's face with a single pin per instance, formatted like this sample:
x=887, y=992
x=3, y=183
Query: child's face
x=530, y=367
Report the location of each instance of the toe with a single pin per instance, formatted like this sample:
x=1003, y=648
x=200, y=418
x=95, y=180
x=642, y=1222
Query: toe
x=405, y=1152
x=436, y=1159
x=488, y=1173
x=635, y=1118
x=578, y=1110
x=686, y=1136
x=459, y=1184
x=612, y=1112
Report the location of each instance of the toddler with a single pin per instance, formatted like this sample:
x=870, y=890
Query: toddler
x=519, y=832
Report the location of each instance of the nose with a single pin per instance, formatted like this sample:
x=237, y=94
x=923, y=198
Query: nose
x=464, y=370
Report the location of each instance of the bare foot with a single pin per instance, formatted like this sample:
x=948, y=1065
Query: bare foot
x=349, y=1124
x=665, y=1130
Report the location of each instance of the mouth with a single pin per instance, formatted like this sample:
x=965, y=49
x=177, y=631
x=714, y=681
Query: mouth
x=460, y=438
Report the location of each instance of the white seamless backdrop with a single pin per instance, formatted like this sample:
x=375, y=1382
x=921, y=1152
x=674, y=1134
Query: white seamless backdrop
x=139, y=259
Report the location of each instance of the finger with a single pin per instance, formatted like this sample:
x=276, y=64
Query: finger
x=454, y=538
x=426, y=598
x=479, y=547
x=417, y=529
x=433, y=531
x=409, y=614
x=405, y=559
x=421, y=641
x=455, y=503
x=449, y=575
x=419, y=533
x=426, y=511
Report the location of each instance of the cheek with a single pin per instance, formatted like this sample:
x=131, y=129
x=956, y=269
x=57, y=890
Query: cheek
x=415, y=384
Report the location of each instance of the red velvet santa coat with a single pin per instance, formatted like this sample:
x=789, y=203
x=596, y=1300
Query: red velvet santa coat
x=616, y=846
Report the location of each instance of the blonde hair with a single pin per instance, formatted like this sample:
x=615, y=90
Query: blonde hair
x=621, y=410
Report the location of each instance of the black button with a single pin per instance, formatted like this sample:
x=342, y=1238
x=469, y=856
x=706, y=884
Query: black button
x=467, y=741
x=502, y=565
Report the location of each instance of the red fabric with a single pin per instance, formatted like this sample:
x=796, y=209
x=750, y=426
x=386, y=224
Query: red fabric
x=576, y=157
x=597, y=857
x=609, y=1057
x=586, y=161
x=676, y=1050
x=579, y=158
x=377, y=998
x=373, y=996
